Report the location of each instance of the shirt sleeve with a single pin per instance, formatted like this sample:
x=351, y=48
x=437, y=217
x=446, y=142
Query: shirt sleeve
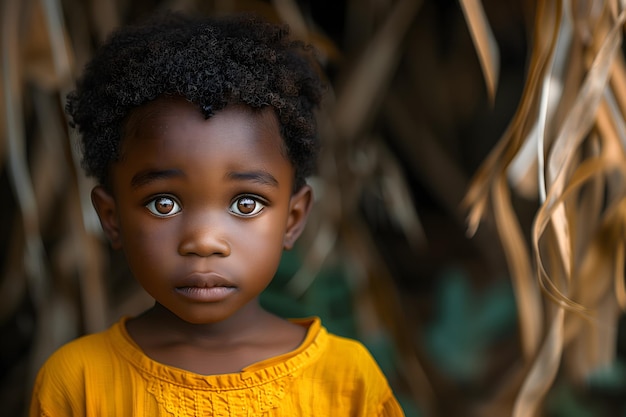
x=391, y=408
x=58, y=389
x=356, y=372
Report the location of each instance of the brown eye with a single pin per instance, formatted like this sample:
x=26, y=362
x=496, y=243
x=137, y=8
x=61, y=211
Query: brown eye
x=246, y=206
x=163, y=206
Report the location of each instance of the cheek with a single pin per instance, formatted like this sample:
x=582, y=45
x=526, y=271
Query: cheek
x=263, y=244
x=144, y=242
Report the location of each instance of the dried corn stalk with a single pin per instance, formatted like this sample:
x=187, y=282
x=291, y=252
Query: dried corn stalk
x=565, y=147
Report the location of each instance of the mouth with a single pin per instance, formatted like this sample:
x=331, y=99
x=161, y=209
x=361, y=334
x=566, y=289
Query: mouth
x=205, y=288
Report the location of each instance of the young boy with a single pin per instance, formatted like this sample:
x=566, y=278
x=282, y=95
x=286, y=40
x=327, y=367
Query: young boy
x=201, y=133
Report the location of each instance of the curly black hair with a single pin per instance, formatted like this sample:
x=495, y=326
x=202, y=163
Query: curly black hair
x=212, y=62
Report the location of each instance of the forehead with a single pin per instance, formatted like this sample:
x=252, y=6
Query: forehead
x=172, y=132
x=163, y=112
x=169, y=120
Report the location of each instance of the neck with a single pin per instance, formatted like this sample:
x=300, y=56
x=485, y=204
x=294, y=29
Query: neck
x=251, y=336
x=160, y=323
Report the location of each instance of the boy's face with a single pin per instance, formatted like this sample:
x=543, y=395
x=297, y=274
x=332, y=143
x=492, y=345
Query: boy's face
x=202, y=208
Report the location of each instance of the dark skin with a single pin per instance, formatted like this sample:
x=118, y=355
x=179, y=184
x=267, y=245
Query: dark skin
x=202, y=209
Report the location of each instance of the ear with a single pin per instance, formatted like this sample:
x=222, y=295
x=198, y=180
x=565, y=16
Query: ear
x=299, y=208
x=105, y=206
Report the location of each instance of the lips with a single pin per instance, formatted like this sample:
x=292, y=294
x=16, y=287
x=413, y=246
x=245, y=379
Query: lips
x=207, y=288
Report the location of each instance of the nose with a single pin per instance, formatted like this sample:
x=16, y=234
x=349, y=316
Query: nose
x=204, y=236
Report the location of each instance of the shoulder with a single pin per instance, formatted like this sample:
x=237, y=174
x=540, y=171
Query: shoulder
x=343, y=356
x=337, y=352
x=347, y=344
x=79, y=351
x=351, y=355
x=346, y=366
x=69, y=363
x=62, y=378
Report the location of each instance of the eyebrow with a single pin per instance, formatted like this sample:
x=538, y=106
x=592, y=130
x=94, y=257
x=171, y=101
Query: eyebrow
x=146, y=177
x=261, y=177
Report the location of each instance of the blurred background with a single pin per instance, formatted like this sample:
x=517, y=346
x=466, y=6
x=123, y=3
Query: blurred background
x=418, y=101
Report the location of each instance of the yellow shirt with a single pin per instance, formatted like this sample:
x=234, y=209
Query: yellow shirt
x=107, y=374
